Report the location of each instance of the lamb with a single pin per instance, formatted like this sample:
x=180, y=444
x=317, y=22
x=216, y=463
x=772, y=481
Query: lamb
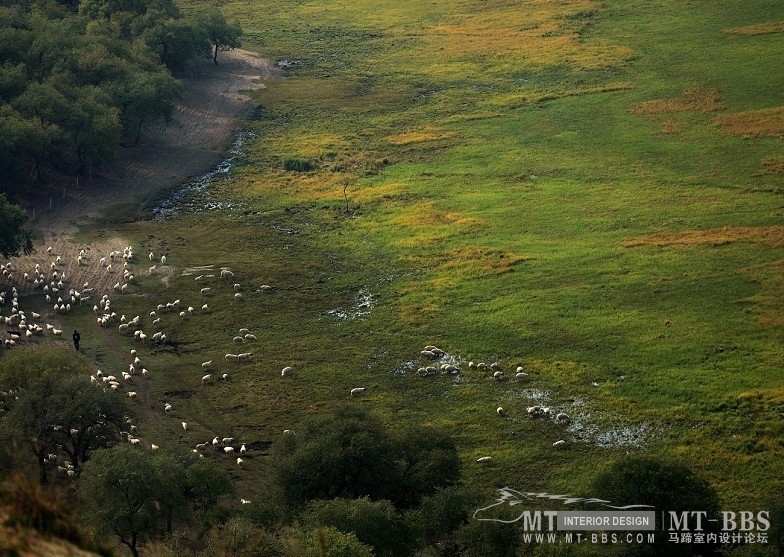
x=484, y=459
x=358, y=390
x=472, y=364
x=145, y=373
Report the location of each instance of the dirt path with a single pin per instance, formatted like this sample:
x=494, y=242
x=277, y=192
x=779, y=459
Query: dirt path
x=203, y=126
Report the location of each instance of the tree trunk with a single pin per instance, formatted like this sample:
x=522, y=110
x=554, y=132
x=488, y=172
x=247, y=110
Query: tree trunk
x=215, y=56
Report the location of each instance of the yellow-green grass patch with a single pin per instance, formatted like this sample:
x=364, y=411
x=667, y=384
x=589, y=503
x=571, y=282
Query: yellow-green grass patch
x=758, y=29
x=693, y=99
x=769, y=235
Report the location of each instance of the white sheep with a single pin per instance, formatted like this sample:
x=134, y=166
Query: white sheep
x=500, y=411
x=225, y=273
x=205, y=290
x=229, y=450
x=201, y=447
x=498, y=375
x=205, y=308
x=163, y=260
x=231, y=357
x=206, y=379
x=168, y=407
x=484, y=459
x=237, y=287
x=249, y=336
x=245, y=501
x=288, y=370
x=238, y=296
x=206, y=365
x=131, y=394
x=239, y=462
x=135, y=442
x=563, y=417
x=185, y=426
x=245, y=356
x=225, y=376
x=560, y=443
x=239, y=340
x=521, y=375
x=357, y=391
x=227, y=441
x=243, y=450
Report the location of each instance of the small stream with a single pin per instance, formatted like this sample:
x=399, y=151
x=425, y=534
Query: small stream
x=195, y=196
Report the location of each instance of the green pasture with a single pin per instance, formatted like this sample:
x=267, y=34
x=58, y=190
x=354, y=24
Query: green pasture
x=489, y=175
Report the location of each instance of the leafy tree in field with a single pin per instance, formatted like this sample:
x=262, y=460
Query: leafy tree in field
x=221, y=34
x=667, y=487
x=138, y=494
x=56, y=407
x=14, y=238
x=351, y=454
x=323, y=542
x=375, y=523
x=119, y=488
x=442, y=514
x=206, y=483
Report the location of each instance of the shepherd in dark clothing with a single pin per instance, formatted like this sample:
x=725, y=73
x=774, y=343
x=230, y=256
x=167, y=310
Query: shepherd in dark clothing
x=76, y=338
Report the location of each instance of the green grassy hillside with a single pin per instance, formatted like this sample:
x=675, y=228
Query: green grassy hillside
x=590, y=190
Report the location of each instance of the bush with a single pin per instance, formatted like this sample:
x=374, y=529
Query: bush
x=298, y=165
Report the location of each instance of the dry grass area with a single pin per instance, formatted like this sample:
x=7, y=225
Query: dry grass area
x=754, y=123
x=758, y=29
x=693, y=99
x=420, y=136
x=539, y=32
x=671, y=126
x=772, y=166
x=770, y=235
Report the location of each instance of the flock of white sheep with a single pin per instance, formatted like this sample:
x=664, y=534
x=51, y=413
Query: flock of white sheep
x=53, y=283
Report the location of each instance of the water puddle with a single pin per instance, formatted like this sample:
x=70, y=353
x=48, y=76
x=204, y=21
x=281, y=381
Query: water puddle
x=195, y=196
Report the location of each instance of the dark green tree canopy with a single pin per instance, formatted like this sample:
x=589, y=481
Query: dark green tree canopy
x=14, y=238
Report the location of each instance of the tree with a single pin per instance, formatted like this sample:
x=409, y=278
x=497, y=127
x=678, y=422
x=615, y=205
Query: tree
x=56, y=407
x=223, y=35
x=428, y=460
x=667, y=486
x=442, y=514
x=14, y=238
x=119, y=488
x=323, y=542
x=375, y=523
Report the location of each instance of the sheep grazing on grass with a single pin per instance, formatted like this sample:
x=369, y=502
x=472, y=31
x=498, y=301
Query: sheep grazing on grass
x=244, y=331
x=239, y=462
x=560, y=443
x=563, y=417
x=521, y=375
x=163, y=260
x=358, y=391
x=288, y=370
x=238, y=296
x=205, y=290
x=243, y=450
x=484, y=459
x=131, y=394
x=225, y=273
x=237, y=287
x=206, y=365
x=229, y=450
x=481, y=366
x=205, y=308
x=201, y=447
x=168, y=407
x=231, y=357
x=185, y=426
x=500, y=411
x=206, y=379
x=227, y=441
x=245, y=356
x=153, y=447
x=249, y=336
x=135, y=442
x=245, y=501
x=239, y=340
x=498, y=375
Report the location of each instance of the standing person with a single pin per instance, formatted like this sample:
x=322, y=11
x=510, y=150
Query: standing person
x=76, y=338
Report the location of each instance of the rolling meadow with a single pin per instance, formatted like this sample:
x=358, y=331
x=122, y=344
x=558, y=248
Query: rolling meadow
x=588, y=190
